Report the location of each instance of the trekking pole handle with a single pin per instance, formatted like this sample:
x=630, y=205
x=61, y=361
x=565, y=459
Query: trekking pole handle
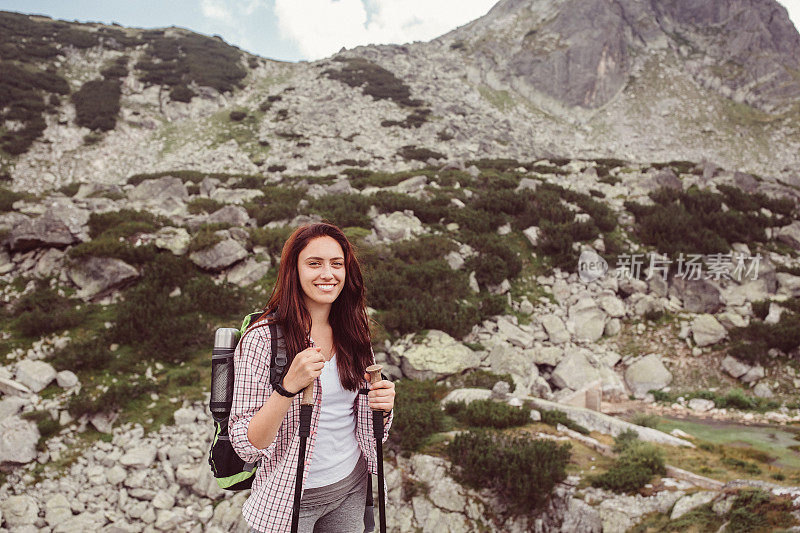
x=374, y=373
x=308, y=395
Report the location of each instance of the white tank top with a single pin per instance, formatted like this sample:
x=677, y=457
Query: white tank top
x=336, y=450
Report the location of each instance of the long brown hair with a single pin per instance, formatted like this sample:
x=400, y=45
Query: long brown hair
x=348, y=316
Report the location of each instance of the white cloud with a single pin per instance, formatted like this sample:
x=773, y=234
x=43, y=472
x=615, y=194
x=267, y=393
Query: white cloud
x=321, y=27
x=216, y=10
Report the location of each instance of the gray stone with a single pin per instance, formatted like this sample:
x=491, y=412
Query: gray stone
x=690, y=502
x=613, y=306
x=648, y=373
x=698, y=296
x=163, y=500
x=574, y=371
x=706, y=330
x=103, y=422
x=233, y=215
x=36, y=375
x=47, y=230
x=555, y=329
x=532, y=234
x=66, y=379
x=548, y=355
x=166, y=187
x=139, y=457
x=505, y=359
x=248, y=272
x=589, y=320
x=57, y=510
x=411, y=185
x=397, y=226
x=115, y=475
x=734, y=367
x=790, y=235
x=184, y=416
x=19, y=511
x=11, y=405
x=701, y=405
x=581, y=517
x=236, y=196
x=176, y=240
x=762, y=390
x=466, y=395
x=219, y=256
x=513, y=334
x=99, y=276
x=437, y=355
x=789, y=283
x=666, y=177
x=18, y=439
x=13, y=388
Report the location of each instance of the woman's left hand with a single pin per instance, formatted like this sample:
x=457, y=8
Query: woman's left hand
x=381, y=394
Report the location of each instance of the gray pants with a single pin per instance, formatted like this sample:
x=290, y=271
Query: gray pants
x=335, y=508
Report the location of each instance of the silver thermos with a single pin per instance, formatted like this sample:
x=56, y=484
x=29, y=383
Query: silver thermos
x=225, y=340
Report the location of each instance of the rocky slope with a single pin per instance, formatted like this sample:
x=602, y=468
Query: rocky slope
x=644, y=82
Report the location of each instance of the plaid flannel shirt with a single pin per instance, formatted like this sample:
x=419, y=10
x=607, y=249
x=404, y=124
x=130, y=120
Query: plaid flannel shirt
x=269, y=507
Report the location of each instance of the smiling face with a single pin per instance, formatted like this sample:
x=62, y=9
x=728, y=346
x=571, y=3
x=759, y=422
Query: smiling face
x=320, y=267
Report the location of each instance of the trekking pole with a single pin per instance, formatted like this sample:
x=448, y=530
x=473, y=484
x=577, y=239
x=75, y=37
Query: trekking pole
x=306, y=408
x=377, y=429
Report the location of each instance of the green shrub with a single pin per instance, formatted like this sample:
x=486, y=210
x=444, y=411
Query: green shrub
x=42, y=311
x=123, y=223
x=278, y=203
x=414, y=153
x=107, y=246
x=521, y=471
x=115, y=397
x=97, y=104
x=205, y=237
x=373, y=80
x=495, y=261
x=646, y=420
x=481, y=379
x=47, y=426
x=84, y=353
x=347, y=210
x=417, y=413
x=203, y=205
x=182, y=93
x=237, y=115
x=755, y=510
x=489, y=413
x=752, y=342
x=272, y=239
x=636, y=465
x=7, y=199
x=553, y=417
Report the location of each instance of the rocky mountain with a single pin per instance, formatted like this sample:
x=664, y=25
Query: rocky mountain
x=578, y=224
x=639, y=81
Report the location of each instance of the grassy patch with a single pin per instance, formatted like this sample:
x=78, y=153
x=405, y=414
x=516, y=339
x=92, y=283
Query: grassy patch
x=636, y=465
x=488, y=413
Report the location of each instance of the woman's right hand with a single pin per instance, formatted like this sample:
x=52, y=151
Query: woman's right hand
x=305, y=368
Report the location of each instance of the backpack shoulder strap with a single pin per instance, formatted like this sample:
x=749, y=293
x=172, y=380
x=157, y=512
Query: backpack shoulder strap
x=278, y=358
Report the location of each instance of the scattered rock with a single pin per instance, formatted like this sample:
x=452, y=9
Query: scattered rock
x=99, y=276
x=706, y=330
x=574, y=371
x=219, y=256
x=18, y=439
x=647, y=374
x=690, y=502
x=437, y=355
x=36, y=375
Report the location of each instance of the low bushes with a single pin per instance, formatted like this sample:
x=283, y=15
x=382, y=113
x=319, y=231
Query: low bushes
x=417, y=413
x=522, y=471
x=414, y=153
x=7, y=199
x=270, y=238
x=43, y=311
x=481, y=379
x=373, y=80
x=636, y=465
x=753, y=342
x=97, y=104
x=277, y=203
x=489, y=413
x=553, y=417
x=733, y=399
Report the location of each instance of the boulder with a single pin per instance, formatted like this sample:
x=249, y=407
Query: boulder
x=219, y=256
x=166, y=187
x=230, y=214
x=613, y=306
x=698, y=296
x=19, y=511
x=176, y=240
x=66, y=379
x=47, y=230
x=236, y=196
x=753, y=374
x=11, y=405
x=701, y=405
x=734, y=367
x=248, y=272
x=437, y=355
x=790, y=235
x=580, y=516
x=667, y=178
x=13, y=388
x=513, y=334
x=466, y=395
x=184, y=416
x=18, y=439
x=532, y=234
x=49, y=264
x=555, y=328
x=574, y=371
x=98, y=276
x=36, y=375
x=789, y=283
x=648, y=373
x=139, y=457
x=397, y=226
x=589, y=320
x=506, y=359
x=706, y=330
x=762, y=390
x=749, y=291
x=690, y=502
x=57, y=510
x=547, y=355
x=412, y=184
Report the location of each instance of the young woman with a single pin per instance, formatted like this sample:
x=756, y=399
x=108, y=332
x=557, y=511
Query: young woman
x=318, y=300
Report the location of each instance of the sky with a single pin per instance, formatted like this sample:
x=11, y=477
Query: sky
x=288, y=30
